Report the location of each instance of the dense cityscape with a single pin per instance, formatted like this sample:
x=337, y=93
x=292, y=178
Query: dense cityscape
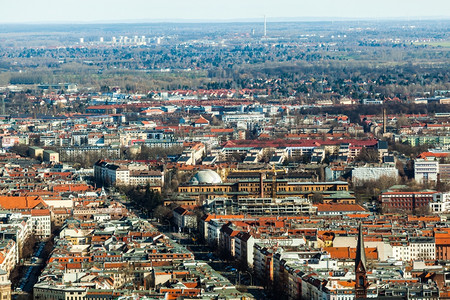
x=247, y=160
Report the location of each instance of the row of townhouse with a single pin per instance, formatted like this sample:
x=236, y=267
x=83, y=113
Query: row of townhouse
x=265, y=251
x=18, y=228
x=395, y=247
x=127, y=256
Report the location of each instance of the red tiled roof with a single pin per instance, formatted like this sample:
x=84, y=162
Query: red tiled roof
x=201, y=120
x=40, y=212
x=22, y=203
x=339, y=207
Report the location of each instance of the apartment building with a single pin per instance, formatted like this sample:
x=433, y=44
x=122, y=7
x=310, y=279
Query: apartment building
x=426, y=170
x=122, y=174
x=406, y=201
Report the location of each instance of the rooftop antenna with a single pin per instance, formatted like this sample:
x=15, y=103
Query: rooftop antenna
x=265, y=26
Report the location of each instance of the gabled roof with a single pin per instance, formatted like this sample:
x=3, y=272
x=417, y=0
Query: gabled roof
x=21, y=203
x=201, y=120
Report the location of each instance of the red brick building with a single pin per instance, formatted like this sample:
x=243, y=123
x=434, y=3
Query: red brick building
x=405, y=201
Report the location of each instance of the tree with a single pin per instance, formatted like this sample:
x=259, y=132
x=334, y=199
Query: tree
x=163, y=212
x=144, y=197
x=402, y=121
x=423, y=210
x=443, y=187
x=20, y=149
x=237, y=157
x=408, y=150
x=368, y=156
x=215, y=121
x=28, y=246
x=317, y=198
x=400, y=167
x=267, y=155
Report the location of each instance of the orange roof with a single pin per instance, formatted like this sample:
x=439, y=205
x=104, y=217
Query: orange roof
x=210, y=217
x=40, y=212
x=190, y=285
x=350, y=253
x=347, y=283
x=11, y=202
x=71, y=187
x=201, y=120
x=358, y=216
x=432, y=154
x=423, y=218
x=340, y=207
x=222, y=130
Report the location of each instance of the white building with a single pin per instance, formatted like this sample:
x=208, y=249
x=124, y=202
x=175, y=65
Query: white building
x=8, y=255
x=44, y=291
x=40, y=218
x=214, y=227
x=184, y=218
x=114, y=174
x=401, y=251
x=244, y=243
x=440, y=204
x=20, y=227
x=416, y=248
x=362, y=174
x=422, y=248
x=426, y=170
x=243, y=120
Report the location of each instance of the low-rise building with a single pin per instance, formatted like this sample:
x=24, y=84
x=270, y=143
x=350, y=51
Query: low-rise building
x=51, y=156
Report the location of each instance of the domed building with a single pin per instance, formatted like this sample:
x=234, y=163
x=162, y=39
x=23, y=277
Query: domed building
x=206, y=177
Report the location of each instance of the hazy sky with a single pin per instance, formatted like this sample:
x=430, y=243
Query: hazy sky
x=50, y=11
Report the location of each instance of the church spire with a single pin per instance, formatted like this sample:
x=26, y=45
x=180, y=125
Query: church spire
x=360, y=252
x=361, y=283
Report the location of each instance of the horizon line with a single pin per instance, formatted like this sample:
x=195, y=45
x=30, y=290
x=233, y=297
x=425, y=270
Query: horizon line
x=237, y=20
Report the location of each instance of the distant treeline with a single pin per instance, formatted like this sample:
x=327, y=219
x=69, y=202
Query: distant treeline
x=26, y=79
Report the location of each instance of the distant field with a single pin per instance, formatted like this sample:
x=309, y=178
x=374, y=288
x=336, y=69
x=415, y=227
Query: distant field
x=444, y=44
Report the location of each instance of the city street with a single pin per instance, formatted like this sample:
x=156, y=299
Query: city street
x=242, y=279
x=32, y=270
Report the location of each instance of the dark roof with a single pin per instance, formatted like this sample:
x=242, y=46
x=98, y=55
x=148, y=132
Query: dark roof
x=388, y=159
x=382, y=145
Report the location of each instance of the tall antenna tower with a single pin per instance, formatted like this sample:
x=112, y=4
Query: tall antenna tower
x=265, y=26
